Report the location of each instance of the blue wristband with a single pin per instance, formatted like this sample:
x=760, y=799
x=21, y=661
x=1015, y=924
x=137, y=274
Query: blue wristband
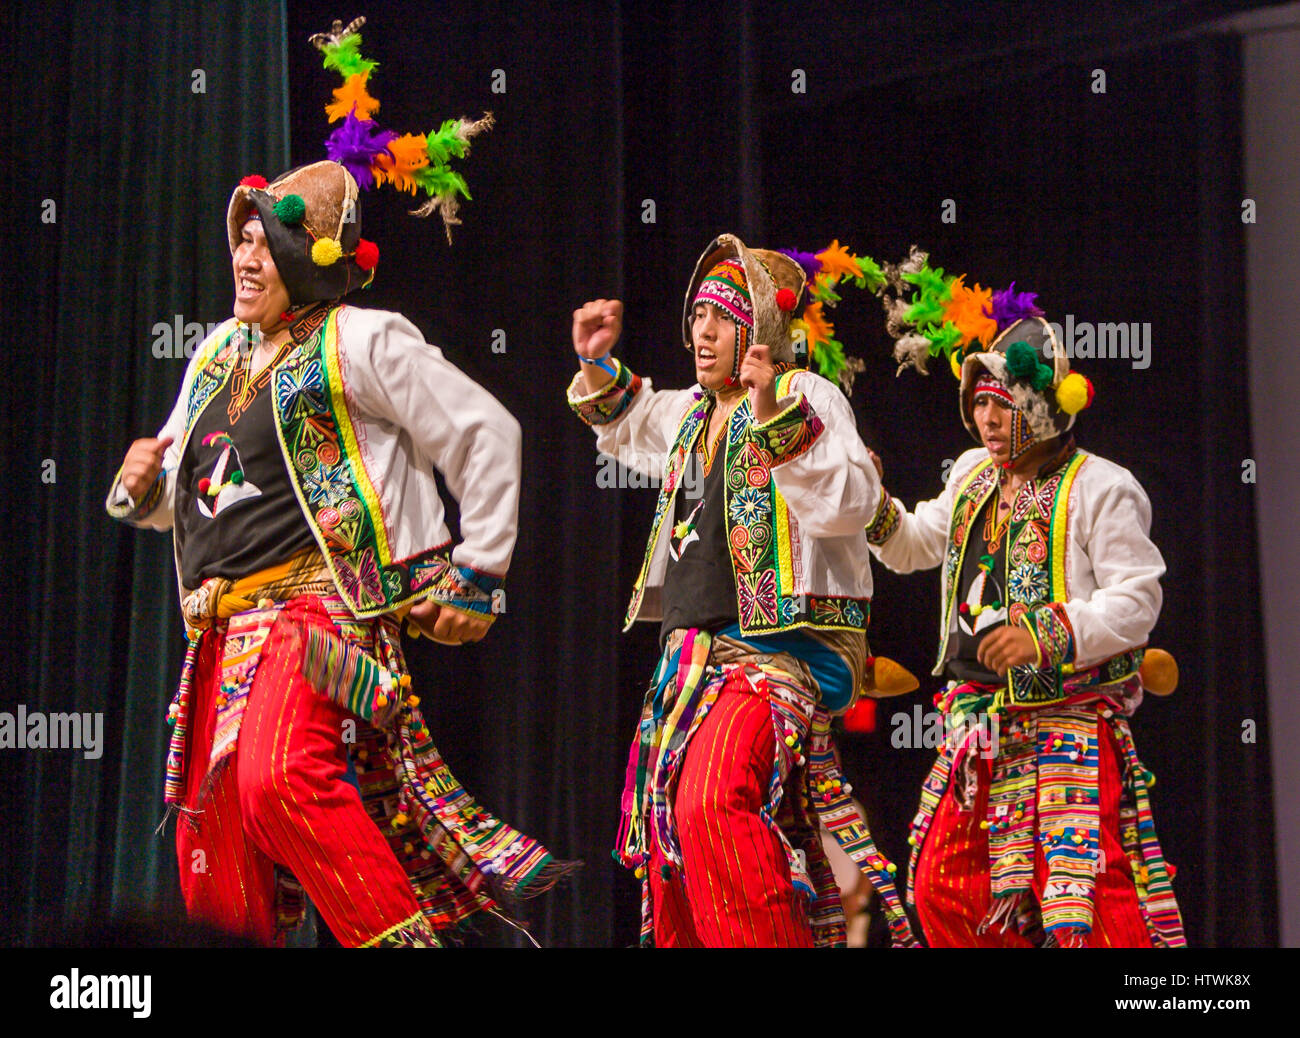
x=600, y=362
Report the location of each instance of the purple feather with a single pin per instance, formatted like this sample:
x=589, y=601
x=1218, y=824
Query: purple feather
x=1010, y=306
x=811, y=264
x=354, y=146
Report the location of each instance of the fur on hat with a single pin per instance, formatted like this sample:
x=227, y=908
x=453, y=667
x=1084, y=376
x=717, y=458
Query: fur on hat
x=766, y=273
x=1039, y=406
x=313, y=228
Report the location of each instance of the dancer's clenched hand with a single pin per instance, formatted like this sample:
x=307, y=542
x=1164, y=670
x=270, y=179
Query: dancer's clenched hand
x=597, y=324
x=143, y=462
x=1007, y=647
x=447, y=626
x=758, y=375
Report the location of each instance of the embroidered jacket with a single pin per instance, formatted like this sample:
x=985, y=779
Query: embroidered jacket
x=798, y=493
x=364, y=410
x=1082, y=573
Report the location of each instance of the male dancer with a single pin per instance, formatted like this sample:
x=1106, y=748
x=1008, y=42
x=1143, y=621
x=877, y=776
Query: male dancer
x=1050, y=590
x=296, y=472
x=756, y=570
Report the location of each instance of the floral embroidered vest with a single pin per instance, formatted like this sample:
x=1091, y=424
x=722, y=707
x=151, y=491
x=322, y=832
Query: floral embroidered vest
x=759, y=530
x=336, y=494
x=1035, y=581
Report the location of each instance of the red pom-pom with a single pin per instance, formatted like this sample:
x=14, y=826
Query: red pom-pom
x=786, y=299
x=862, y=718
x=367, y=254
x=253, y=180
x=204, y=483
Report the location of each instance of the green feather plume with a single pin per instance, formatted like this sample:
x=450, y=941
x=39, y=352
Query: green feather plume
x=345, y=57
x=829, y=355
x=872, y=277
x=924, y=312
x=440, y=180
x=446, y=143
x=944, y=339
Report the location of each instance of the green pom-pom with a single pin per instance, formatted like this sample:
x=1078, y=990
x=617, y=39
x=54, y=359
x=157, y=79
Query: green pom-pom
x=1021, y=360
x=237, y=477
x=290, y=210
x=1023, y=364
x=344, y=57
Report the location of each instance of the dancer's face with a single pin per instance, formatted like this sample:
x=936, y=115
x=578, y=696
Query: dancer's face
x=260, y=294
x=713, y=335
x=993, y=420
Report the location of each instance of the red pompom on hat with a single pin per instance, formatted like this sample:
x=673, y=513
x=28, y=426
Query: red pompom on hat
x=367, y=254
x=786, y=299
x=253, y=180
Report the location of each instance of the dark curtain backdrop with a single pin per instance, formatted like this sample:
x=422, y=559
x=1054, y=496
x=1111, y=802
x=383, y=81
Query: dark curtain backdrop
x=140, y=167
x=1115, y=207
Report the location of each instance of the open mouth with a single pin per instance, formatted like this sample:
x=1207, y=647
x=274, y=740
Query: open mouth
x=248, y=288
x=704, y=355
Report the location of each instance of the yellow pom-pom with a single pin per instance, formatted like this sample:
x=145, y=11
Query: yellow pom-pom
x=954, y=360
x=326, y=252
x=1074, y=393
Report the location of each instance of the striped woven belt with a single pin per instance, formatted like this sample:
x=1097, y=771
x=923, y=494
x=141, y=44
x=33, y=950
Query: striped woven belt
x=218, y=599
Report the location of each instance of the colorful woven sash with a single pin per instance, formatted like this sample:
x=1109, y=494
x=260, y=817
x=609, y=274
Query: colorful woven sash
x=245, y=610
x=693, y=671
x=1044, y=789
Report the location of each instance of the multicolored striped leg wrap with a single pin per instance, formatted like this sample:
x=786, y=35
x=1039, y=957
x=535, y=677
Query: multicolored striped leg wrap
x=832, y=800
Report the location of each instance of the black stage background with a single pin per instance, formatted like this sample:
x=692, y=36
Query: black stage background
x=1122, y=206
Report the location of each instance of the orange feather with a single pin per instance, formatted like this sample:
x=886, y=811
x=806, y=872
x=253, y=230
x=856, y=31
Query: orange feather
x=819, y=329
x=966, y=309
x=352, y=94
x=837, y=262
x=404, y=156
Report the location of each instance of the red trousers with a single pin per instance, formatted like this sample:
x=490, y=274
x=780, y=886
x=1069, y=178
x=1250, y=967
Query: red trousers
x=953, y=874
x=283, y=800
x=737, y=890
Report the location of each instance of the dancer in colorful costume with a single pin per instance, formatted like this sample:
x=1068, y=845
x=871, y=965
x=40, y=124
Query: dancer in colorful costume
x=296, y=473
x=757, y=572
x=1035, y=823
